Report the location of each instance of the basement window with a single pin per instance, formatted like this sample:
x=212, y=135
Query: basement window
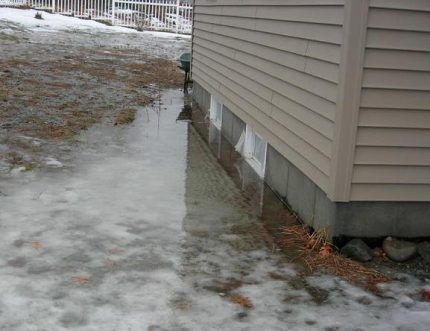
x=216, y=112
x=255, y=151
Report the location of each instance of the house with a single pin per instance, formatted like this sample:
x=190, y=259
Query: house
x=330, y=100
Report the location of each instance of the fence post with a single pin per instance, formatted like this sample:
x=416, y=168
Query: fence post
x=53, y=6
x=178, y=3
x=113, y=12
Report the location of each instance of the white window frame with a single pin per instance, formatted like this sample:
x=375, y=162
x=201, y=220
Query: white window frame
x=216, y=106
x=259, y=167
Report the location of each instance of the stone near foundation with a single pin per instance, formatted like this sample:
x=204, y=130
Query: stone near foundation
x=399, y=250
x=357, y=249
x=424, y=251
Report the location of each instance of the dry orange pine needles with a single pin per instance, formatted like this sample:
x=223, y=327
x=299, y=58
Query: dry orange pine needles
x=241, y=301
x=425, y=294
x=36, y=245
x=317, y=253
x=80, y=280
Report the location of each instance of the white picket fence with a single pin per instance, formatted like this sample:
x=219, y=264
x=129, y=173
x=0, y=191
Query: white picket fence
x=160, y=15
x=12, y=3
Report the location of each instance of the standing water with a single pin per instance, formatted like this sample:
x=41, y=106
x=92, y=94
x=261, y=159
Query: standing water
x=142, y=229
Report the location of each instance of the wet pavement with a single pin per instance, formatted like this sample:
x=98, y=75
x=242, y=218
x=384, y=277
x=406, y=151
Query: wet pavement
x=142, y=229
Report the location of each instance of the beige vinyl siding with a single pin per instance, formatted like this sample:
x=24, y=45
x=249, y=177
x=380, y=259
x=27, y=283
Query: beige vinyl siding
x=392, y=160
x=275, y=64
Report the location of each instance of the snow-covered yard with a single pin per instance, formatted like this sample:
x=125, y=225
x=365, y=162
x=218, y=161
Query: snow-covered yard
x=56, y=22
x=137, y=227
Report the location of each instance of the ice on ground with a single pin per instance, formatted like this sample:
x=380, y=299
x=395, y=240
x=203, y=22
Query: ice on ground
x=57, y=22
x=52, y=162
x=16, y=171
x=145, y=232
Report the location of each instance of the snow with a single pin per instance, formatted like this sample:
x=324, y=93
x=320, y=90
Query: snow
x=52, y=162
x=57, y=22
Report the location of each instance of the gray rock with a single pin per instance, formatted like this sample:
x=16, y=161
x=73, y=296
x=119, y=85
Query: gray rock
x=399, y=250
x=357, y=249
x=423, y=249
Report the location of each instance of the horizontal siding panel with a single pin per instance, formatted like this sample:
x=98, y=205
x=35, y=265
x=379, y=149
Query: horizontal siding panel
x=314, y=49
x=422, y=5
x=309, y=31
x=237, y=22
x=397, y=59
x=318, y=32
x=393, y=137
x=395, y=99
x=396, y=79
x=391, y=174
x=390, y=192
x=232, y=10
x=310, y=102
x=293, y=60
x=318, y=14
x=319, y=144
x=394, y=118
x=245, y=85
x=323, y=51
x=367, y=155
x=309, y=3
x=311, y=84
x=393, y=19
x=310, y=118
x=321, y=69
x=401, y=40
x=226, y=97
x=322, y=144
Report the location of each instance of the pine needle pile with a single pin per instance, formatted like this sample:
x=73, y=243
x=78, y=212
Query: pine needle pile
x=316, y=253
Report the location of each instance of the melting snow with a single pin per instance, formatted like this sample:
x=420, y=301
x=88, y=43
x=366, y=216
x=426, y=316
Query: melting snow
x=145, y=232
x=57, y=22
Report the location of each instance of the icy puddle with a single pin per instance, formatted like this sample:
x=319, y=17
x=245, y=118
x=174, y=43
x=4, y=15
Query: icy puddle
x=144, y=230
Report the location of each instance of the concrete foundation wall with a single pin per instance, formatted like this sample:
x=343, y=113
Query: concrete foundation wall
x=355, y=219
x=202, y=97
x=232, y=126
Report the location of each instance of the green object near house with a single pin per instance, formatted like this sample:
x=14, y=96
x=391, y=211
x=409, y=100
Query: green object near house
x=185, y=59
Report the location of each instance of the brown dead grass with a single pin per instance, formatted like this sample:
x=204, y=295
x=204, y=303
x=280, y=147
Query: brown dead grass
x=125, y=116
x=74, y=121
x=56, y=131
x=163, y=73
x=316, y=253
x=84, y=79
x=4, y=92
